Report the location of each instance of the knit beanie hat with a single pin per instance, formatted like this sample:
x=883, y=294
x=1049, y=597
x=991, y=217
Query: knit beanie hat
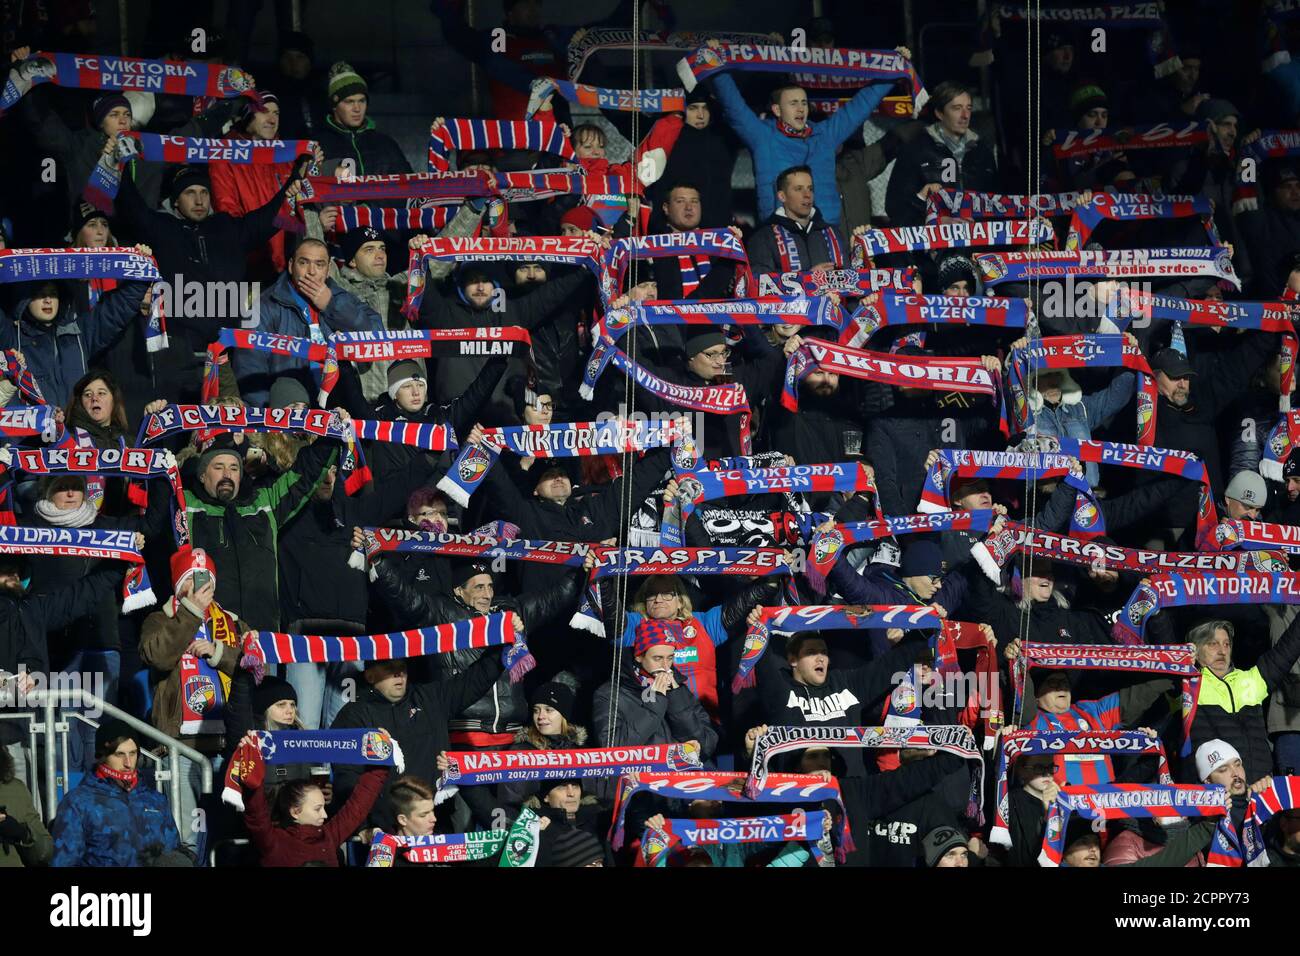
x=297, y=40
x=251, y=107
x=186, y=562
x=555, y=695
x=1085, y=97
x=464, y=569
x=222, y=444
x=271, y=691
x=939, y=841
x=921, y=558
x=85, y=213
x=285, y=391
x=110, y=729
x=399, y=373
x=344, y=82
x=105, y=105
x=1291, y=467
x=954, y=269
x=651, y=633
x=1212, y=755
x=581, y=216
x=188, y=176
x=354, y=239
x=706, y=338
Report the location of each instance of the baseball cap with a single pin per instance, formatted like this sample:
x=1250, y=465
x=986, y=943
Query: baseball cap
x=1173, y=363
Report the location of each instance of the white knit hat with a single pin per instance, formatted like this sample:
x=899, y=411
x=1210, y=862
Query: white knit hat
x=1212, y=755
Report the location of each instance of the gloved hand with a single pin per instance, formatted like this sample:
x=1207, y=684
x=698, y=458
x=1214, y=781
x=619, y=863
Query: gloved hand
x=13, y=830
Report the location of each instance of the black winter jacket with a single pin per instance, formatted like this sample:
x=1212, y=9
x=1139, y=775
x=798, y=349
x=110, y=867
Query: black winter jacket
x=810, y=245
x=418, y=722
x=374, y=153
x=504, y=707
x=924, y=160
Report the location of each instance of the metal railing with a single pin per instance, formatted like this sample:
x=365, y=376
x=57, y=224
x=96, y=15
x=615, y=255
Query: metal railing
x=51, y=723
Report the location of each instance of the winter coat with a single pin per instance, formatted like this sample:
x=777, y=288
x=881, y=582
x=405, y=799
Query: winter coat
x=418, y=722
x=1220, y=378
x=242, y=537
x=882, y=584
x=374, y=153
x=819, y=431
x=163, y=639
x=214, y=250
x=37, y=849
x=101, y=824
x=283, y=312
x=1231, y=708
x=1271, y=234
x=897, y=443
x=926, y=160
x=240, y=719
x=1049, y=623
x=1077, y=415
x=505, y=707
x=911, y=801
x=58, y=353
x=809, y=244
x=297, y=845
x=450, y=310
x=775, y=152
x=702, y=157
x=78, y=151
x=674, y=717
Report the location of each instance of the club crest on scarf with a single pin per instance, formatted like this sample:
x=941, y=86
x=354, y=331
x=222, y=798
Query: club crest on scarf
x=376, y=746
x=200, y=692
x=1085, y=514
x=828, y=545
x=474, y=464
x=683, y=757
x=233, y=80
x=519, y=847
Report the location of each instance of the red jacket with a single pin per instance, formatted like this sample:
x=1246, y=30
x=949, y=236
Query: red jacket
x=238, y=190
x=296, y=845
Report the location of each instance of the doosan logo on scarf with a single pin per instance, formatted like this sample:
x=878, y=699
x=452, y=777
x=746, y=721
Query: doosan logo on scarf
x=77, y=910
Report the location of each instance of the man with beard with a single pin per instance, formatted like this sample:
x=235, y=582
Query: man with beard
x=827, y=427
x=241, y=533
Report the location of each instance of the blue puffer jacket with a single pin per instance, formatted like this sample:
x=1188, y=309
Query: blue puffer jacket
x=283, y=312
x=1078, y=415
x=774, y=152
x=100, y=824
x=58, y=353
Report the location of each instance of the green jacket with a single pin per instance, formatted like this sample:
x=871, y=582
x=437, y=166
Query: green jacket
x=242, y=537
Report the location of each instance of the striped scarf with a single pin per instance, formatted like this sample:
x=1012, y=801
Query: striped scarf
x=827, y=547
x=1029, y=743
x=14, y=369
x=955, y=739
x=1208, y=587
x=464, y=135
x=1230, y=848
x=421, y=219
x=1075, y=143
x=903, y=308
x=94, y=543
x=730, y=788
x=205, y=690
x=959, y=204
x=1118, y=801
x=1133, y=207
x=951, y=235
x=94, y=72
x=600, y=98
x=693, y=269
x=1272, y=144
x=775, y=310
x=1083, y=351
x=1176, y=660
x=493, y=630
x=568, y=440
x=1258, y=535
x=702, y=243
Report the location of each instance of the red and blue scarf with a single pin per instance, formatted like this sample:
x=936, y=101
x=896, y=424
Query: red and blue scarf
x=729, y=788
x=464, y=135
x=1173, y=659
x=1214, y=262
x=1083, y=351
x=1124, y=207
x=873, y=66
x=568, y=440
x=776, y=310
x=904, y=308
x=967, y=234
x=846, y=283
x=95, y=543
x=493, y=630
x=666, y=845
x=94, y=72
x=436, y=847
x=1272, y=144
x=1118, y=801
x=1031, y=743
x=14, y=369
x=1229, y=848
x=600, y=98
x=1207, y=587
x=710, y=243
x=470, y=768
x=959, y=204
x=1074, y=143
x=422, y=219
